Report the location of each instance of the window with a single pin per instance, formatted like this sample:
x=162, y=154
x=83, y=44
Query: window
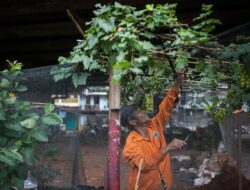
x=96, y=100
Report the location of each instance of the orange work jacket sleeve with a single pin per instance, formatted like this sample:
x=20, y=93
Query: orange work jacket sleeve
x=165, y=109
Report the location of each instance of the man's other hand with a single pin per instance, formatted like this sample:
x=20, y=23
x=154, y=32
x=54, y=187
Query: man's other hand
x=174, y=145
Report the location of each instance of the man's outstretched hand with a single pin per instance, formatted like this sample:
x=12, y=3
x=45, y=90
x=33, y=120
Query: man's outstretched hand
x=180, y=77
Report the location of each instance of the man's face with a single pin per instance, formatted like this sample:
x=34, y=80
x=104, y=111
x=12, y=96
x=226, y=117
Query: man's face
x=140, y=116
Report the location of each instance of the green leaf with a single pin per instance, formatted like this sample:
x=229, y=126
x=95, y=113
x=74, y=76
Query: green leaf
x=19, y=183
x=48, y=108
x=52, y=119
x=147, y=34
x=141, y=59
x=94, y=65
x=4, y=83
x=92, y=41
x=40, y=136
x=28, y=155
x=14, y=116
x=14, y=155
x=23, y=105
x=15, y=65
x=3, y=140
x=58, y=77
x=12, y=133
x=76, y=58
x=22, y=171
x=10, y=100
x=4, y=93
x=79, y=79
x=5, y=187
x=2, y=115
x=105, y=25
x=15, y=127
x=5, y=159
x=21, y=88
x=86, y=61
x=120, y=69
x=29, y=123
x=3, y=174
x=121, y=56
x=147, y=45
x=136, y=70
x=182, y=59
x=150, y=7
x=200, y=65
x=117, y=75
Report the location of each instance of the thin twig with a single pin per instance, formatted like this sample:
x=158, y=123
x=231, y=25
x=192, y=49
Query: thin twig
x=166, y=36
x=210, y=59
x=208, y=48
x=154, y=53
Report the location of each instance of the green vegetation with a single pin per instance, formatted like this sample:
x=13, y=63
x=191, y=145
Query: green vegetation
x=44, y=171
x=145, y=48
x=20, y=129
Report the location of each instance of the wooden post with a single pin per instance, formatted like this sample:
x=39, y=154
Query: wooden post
x=113, y=173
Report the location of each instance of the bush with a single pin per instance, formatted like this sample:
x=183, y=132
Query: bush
x=19, y=129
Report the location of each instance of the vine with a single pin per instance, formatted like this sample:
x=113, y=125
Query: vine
x=145, y=48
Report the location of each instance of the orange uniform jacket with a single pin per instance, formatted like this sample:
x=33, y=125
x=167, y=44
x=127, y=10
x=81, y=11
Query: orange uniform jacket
x=155, y=166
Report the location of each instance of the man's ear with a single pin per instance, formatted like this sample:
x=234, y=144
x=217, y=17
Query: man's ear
x=132, y=122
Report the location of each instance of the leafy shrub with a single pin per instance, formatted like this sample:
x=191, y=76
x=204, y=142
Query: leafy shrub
x=19, y=129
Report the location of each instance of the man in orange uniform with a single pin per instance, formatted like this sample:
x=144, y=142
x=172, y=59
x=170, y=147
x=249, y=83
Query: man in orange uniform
x=146, y=143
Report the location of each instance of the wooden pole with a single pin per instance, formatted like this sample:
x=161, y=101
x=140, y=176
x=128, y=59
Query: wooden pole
x=72, y=17
x=138, y=175
x=113, y=172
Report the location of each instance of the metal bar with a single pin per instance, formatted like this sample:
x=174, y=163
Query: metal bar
x=113, y=156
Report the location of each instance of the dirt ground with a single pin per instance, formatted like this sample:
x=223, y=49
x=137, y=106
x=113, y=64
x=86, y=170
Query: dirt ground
x=95, y=159
x=92, y=159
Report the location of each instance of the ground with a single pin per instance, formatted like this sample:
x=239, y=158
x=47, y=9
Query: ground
x=90, y=166
x=95, y=158
x=94, y=162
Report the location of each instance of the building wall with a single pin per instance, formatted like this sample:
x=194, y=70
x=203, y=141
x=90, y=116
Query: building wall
x=103, y=102
x=103, y=105
x=92, y=100
x=83, y=102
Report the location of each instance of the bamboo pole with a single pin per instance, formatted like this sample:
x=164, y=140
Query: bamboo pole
x=138, y=175
x=73, y=19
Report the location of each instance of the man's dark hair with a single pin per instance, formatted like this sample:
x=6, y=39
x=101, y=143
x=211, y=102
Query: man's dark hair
x=127, y=114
